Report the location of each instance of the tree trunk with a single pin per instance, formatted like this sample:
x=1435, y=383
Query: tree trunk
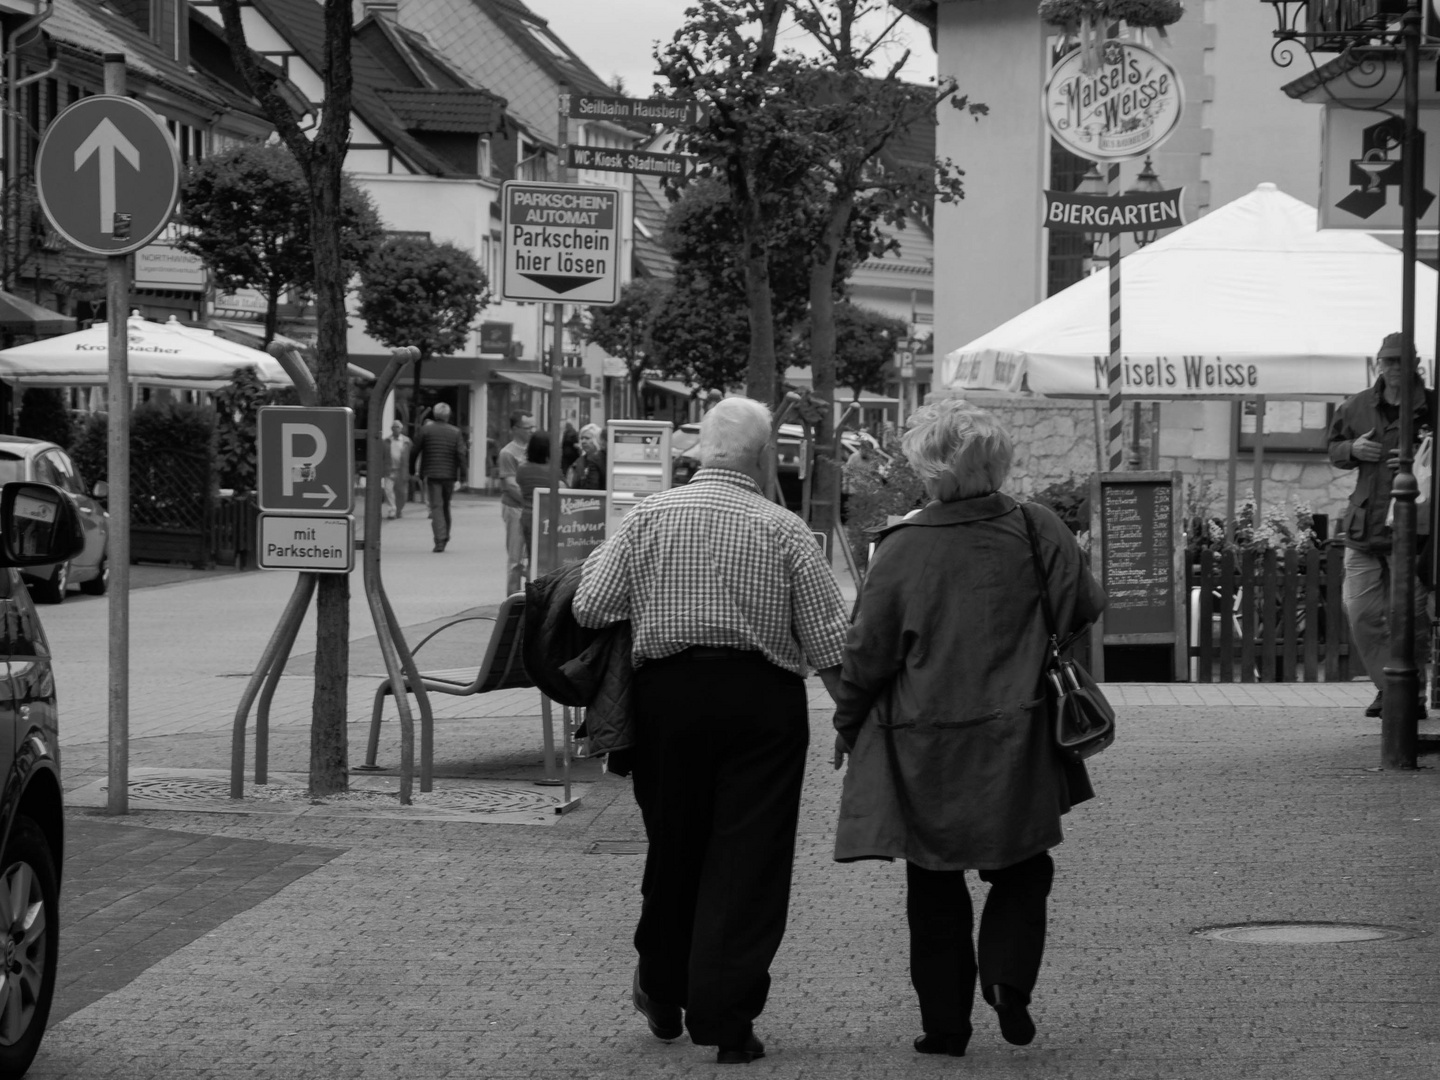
x=329, y=765
x=825, y=501
x=272, y=314
x=760, y=374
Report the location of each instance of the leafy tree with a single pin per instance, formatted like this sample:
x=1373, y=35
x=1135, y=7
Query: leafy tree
x=856, y=114
x=237, y=413
x=725, y=58
x=43, y=415
x=321, y=160
x=623, y=328
x=865, y=345
x=417, y=292
x=249, y=208
x=700, y=335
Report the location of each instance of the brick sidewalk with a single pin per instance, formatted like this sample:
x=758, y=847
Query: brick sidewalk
x=450, y=950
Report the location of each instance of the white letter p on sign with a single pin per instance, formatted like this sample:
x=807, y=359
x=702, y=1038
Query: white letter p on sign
x=294, y=466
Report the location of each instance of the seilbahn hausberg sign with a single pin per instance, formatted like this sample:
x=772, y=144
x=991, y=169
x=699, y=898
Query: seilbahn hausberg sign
x=1128, y=105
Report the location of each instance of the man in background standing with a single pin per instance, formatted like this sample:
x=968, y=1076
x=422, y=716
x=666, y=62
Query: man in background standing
x=395, y=479
x=440, y=449
x=512, y=500
x=1365, y=436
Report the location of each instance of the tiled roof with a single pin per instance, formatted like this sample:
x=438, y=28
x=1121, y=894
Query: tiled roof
x=302, y=23
x=408, y=55
x=467, y=111
x=650, y=212
x=88, y=28
x=523, y=25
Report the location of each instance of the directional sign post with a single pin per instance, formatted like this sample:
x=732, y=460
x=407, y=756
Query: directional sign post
x=107, y=174
x=562, y=243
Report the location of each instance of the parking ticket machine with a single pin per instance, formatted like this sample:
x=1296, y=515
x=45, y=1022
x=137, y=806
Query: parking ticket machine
x=637, y=464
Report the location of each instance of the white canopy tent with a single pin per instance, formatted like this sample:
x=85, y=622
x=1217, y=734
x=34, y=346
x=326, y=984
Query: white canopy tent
x=1250, y=300
x=165, y=354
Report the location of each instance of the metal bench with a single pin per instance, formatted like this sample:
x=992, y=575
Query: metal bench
x=501, y=669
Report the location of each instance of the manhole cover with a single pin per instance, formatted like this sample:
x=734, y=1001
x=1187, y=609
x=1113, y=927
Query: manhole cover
x=1304, y=933
x=478, y=801
x=618, y=847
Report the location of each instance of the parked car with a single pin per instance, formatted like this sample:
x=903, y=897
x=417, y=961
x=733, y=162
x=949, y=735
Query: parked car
x=43, y=462
x=39, y=526
x=685, y=441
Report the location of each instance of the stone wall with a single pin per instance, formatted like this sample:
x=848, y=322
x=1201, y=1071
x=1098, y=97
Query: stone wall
x=1055, y=440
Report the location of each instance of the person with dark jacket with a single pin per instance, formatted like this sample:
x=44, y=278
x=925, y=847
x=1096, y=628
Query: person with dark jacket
x=943, y=713
x=1365, y=436
x=532, y=473
x=441, y=453
x=587, y=472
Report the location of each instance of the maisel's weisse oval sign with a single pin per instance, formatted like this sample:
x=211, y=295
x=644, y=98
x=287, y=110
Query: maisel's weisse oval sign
x=1124, y=108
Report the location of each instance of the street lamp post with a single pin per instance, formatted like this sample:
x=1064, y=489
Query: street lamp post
x=1370, y=42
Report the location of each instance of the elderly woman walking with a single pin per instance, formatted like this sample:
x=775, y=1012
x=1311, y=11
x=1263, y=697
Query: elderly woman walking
x=943, y=713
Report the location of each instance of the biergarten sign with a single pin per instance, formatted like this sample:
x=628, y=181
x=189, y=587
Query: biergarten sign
x=1125, y=107
x=1065, y=211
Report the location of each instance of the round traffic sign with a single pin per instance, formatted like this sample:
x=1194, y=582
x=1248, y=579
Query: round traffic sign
x=107, y=175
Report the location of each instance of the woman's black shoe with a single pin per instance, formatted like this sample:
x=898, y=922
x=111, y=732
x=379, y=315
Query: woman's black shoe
x=954, y=1045
x=748, y=1051
x=1009, y=1005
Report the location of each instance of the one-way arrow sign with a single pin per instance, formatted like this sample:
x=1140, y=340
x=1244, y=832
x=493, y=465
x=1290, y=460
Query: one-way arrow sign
x=107, y=175
x=561, y=242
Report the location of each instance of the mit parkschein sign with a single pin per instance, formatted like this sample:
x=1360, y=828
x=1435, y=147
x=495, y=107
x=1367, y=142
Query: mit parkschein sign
x=562, y=243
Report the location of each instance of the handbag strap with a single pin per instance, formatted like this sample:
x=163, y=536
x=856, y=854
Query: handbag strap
x=1040, y=580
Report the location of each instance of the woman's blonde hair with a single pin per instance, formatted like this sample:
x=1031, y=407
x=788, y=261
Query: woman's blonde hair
x=958, y=449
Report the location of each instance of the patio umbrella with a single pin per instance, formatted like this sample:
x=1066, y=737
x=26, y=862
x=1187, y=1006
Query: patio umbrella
x=159, y=354
x=20, y=316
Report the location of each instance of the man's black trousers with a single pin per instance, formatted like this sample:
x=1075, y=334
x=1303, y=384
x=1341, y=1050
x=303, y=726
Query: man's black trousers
x=718, y=769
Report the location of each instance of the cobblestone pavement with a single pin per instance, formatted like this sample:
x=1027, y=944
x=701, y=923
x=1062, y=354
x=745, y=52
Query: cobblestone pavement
x=205, y=945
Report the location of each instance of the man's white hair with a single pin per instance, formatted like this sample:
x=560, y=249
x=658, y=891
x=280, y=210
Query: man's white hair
x=959, y=450
x=442, y=411
x=733, y=433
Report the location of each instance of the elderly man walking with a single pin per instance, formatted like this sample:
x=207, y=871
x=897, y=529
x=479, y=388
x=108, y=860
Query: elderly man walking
x=729, y=599
x=440, y=449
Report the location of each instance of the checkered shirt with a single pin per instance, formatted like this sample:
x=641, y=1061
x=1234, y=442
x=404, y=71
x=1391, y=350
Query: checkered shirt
x=716, y=563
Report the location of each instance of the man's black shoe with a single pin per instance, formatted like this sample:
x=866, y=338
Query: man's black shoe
x=664, y=1020
x=1376, y=707
x=1009, y=1005
x=748, y=1051
x=1373, y=709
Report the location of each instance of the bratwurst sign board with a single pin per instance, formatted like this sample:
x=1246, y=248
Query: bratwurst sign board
x=561, y=243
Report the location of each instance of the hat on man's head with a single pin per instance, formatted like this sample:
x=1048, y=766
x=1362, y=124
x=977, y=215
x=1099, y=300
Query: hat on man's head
x=1393, y=345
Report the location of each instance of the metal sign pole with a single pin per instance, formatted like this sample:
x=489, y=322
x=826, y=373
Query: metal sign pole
x=1116, y=435
x=557, y=359
x=117, y=302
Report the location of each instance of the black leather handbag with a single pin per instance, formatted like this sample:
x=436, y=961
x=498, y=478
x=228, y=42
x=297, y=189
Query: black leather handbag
x=1084, y=720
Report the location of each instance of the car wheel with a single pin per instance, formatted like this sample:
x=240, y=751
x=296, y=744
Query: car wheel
x=97, y=586
x=29, y=918
x=52, y=591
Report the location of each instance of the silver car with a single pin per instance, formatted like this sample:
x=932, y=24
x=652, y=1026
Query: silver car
x=38, y=461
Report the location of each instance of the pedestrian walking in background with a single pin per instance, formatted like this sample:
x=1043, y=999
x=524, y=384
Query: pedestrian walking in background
x=440, y=451
x=395, y=470
x=534, y=472
x=1365, y=436
x=587, y=472
x=728, y=599
x=512, y=502
x=943, y=711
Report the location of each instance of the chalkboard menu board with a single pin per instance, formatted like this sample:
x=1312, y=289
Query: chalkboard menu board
x=1138, y=550
x=582, y=527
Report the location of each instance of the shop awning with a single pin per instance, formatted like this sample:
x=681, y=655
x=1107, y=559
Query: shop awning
x=24, y=317
x=670, y=386
x=537, y=381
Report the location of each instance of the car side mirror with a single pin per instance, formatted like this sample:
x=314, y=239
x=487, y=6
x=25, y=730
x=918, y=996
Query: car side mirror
x=38, y=525
x=101, y=491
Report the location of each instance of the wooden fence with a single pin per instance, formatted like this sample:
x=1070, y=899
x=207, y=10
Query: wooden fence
x=1271, y=617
